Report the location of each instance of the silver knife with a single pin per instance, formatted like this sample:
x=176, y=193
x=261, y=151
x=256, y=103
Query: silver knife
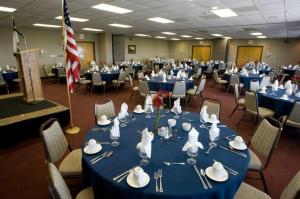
x=203, y=183
x=240, y=154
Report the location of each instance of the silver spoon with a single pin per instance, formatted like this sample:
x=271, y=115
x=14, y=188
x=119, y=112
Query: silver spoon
x=171, y=163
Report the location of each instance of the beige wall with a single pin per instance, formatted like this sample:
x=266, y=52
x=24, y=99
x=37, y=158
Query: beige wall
x=219, y=49
x=275, y=51
x=183, y=49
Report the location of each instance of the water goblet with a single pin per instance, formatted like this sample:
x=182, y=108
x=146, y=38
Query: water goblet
x=192, y=152
x=145, y=160
x=148, y=111
x=114, y=140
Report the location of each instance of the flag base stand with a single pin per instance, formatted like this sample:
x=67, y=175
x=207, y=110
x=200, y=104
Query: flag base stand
x=73, y=130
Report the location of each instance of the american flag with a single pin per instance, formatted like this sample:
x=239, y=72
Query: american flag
x=72, y=55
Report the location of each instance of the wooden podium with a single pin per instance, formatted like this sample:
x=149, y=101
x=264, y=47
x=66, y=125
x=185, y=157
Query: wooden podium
x=29, y=74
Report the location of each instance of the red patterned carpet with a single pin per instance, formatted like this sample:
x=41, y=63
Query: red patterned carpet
x=23, y=172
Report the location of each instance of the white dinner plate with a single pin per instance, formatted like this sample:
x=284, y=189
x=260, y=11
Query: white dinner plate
x=104, y=123
x=210, y=174
x=284, y=98
x=131, y=182
x=241, y=148
x=140, y=111
x=87, y=151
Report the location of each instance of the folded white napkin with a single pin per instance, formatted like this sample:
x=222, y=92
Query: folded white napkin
x=148, y=103
x=124, y=111
x=179, y=74
x=145, y=144
x=191, y=78
x=203, y=114
x=115, y=130
x=192, y=140
x=153, y=74
x=214, y=132
x=288, y=85
x=171, y=73
x=176, y=108
x=7, y=67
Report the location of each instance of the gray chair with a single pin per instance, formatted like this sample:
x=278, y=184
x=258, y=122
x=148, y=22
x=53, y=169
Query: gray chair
x=239, y=102
x=213, y=106
x=97, y=82
x=293, y=119
x=135, y=89
x=107, y=109
x=218, y=80
x=179, y=91
x=120, y=81
x=56, y=145
x=198, y=74
x=234, y=79
x=265, y=81
x=141, y=75
x=197, y=90
x=3, y=83
x=59, y=189
x=48, y=73
x=144, y=89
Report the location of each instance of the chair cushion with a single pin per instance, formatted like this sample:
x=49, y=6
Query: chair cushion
x=191, y=91
x=222, y=81
x=292, y=123
x=135, y=88
x=178, y=96
x=87, y=193
x=255, y=162
x=71, y=165
x=241, y=101
x=264, y=112
x=246, y=191
x=100, y=83
x=85, y=81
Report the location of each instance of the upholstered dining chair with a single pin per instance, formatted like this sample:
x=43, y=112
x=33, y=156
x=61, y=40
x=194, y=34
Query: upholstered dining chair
x=61, y=74
x=254, y=85
x=209, y=69
x=56, y=145
x=3, y=83
x=135, y=89
x=234, y=79
x=179, y=91
x=293, y=119
x=97, y=82
x=239, y=102
x=265, y=81
x=59, y=189
x=120, y=81
x=197, y=90
x=107, y=109
x=291, y=191
x=218, y=80
x=141, y=75
x=251, y=106
x=198, y=74
x=264, y=141
x=47, y=72
x=272, y=76
x=213, y=106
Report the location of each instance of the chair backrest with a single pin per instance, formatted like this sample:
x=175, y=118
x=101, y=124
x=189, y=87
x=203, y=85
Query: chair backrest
x=122, y=76
x=236, y=92
x=45, y=68
x=251, y=101
x=130, y=69
x=292, y=190
x=1, y=78
x=265, y=81
x=61, y=71
x=266, y=137
x=130, y=80
x=107, y=109
x=179, y=88
x=58, y=187
x=209, y=68
x=141, y=75
x=222, y=66
x=156, y=68
x=54, y=141
x=196, y=67
x=199, y=71
x=295, y=112
x=143, y=87
x=96, y=77
x=213, y=106
x=215, y=75
x=254, y=85
x=201, y=85
x=281, y=79
x=144, y=69
x=234, y=79
x=272, y=76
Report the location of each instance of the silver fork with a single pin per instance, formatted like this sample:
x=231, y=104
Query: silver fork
x=156, y=178
x=159, y=173
x=106, y=156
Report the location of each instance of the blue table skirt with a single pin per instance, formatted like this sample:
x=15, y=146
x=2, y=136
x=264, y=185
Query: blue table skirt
x=189, y=71
x=180, y=182
x=155, y=84
x=108, y=77
x=204, y=68
x=273, y=102
x=243, y=79
x=9, y=76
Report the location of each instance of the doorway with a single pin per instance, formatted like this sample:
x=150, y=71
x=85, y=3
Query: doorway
x=246, y=54
x=86, y=52
x=201, y=53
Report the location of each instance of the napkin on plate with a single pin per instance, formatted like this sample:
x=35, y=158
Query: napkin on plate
x=179, y=74
x=203, y=114
x=176, y=108
x=148, y=103
x=145, y=144
x=192, y=140
x=124, y=111
x=115, y=130
x=214, y=132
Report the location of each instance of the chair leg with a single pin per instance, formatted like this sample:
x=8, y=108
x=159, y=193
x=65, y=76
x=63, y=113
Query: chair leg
x=264, y=182
x=240, y=119
x=235, y=108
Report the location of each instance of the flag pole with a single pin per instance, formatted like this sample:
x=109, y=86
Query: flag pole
x=71, y=129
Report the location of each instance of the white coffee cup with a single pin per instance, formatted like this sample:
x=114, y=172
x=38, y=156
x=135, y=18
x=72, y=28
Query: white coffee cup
x=103, y=118
x=138, y=174
x=92, y=144
x=186, y=126
x=285, y=96
x=218, y=169
x=238, y=141
x=171, y=122
x=138, y=108
x=213, y=118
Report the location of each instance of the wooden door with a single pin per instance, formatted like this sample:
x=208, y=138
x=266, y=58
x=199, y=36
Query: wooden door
x=86, y=53
x=247, y=54
x=201, y=53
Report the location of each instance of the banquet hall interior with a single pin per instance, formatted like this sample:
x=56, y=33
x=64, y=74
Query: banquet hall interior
x=166, y=99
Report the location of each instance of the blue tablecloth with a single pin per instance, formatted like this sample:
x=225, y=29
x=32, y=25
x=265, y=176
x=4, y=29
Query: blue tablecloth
x=161, y=64
x=289, y=71
x=204, y=68
x=180, y=182
x=189, y=71
x=244, y=79
x=156, y=84
x=137, y=67
x=9, y=76
x=105, y=76
x=264, y=71
x=272, y=101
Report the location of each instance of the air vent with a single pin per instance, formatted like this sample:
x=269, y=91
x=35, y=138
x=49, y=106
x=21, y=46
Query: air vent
x=249, y=29
x=209, y=17
x=246, y=9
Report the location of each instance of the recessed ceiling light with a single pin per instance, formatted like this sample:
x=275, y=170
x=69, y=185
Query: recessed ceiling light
x=111, y=8
x=160, y=37
x=175, y=39
x=6, y=9
x=142, y=35
x=226, y=37
x=92, y=29
x=214, y=8
x=119, y=25
x=186, y=36
x=217, y=35
x=256, y=33
x=261, y=37
x=160, y=20
x=74, y=19
x=224, y=13
x=46, y=25
x=198, y=38
x=169, y=33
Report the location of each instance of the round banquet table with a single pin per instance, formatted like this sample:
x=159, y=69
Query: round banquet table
x=289, y=71
x=189, y=71
x=244, y=79
x=271, y=99
x=264, y=71
x=105, y=76
x=10, y=76
x=137, y=67
x=156, y=84
x=179, y=181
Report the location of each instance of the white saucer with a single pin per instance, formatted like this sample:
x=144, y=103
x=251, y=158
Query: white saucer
x=263, y=92
x=241, y=148
x=103, y=123
x=131, y=182
x=284, y=98
x=209, y=173
x=213, y=122
x=87, y=151
x=140, y=111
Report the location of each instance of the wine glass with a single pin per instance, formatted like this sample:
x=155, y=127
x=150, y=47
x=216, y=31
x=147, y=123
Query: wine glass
x=123, y=121
x=192, y=152
x=114, y=138
x=148, y=111
x=145, y=160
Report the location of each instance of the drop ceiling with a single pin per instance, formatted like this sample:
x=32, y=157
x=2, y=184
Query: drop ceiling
x=191, y=17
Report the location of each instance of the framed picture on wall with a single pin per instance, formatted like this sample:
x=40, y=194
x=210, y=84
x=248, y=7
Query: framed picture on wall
x=131, y=49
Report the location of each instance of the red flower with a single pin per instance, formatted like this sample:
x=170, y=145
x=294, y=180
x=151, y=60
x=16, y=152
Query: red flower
x=157, y=101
